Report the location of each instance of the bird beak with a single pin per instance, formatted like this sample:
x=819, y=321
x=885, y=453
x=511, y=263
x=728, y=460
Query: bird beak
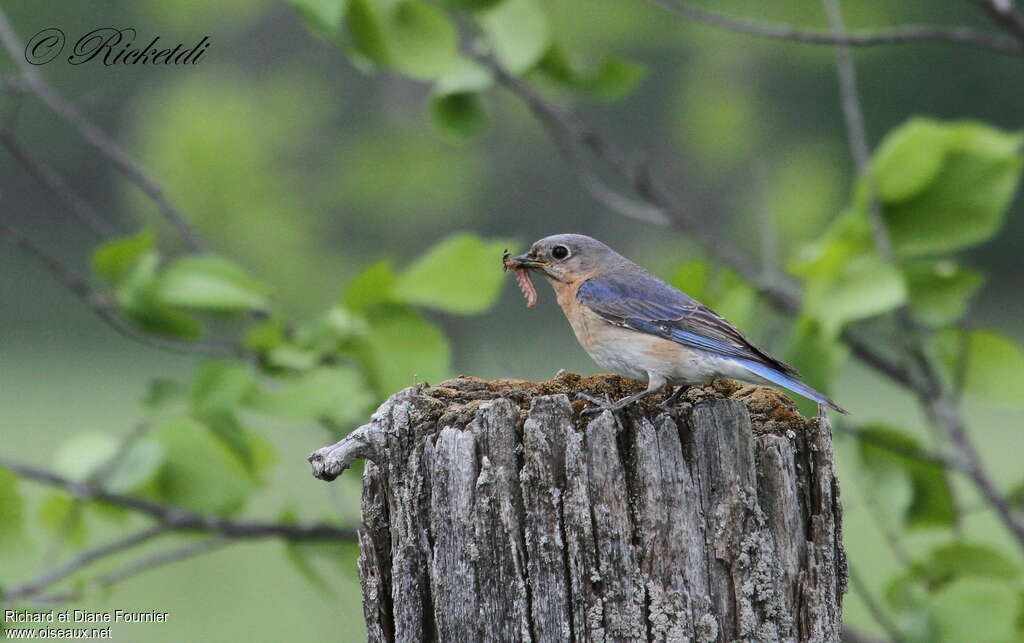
x=527, y=261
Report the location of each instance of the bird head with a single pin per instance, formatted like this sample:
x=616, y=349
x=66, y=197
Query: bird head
x=566, y=257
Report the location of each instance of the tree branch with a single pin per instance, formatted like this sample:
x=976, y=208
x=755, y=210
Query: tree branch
x=909, y=34
x=53, y=182
x=94, y=136
x=1004, y=14
x=87, y=557
x=180, y=519
x=103, y=305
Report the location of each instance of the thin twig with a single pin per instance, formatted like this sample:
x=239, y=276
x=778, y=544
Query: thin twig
x=100, y=477
x=87, y=557
x=855, y=129
x=1004, y=14
x=908, y=34
x=158, y=559
x=104, y=306
x=877, y=613
x=94, y=135
x=55, y=184
x=180, y=519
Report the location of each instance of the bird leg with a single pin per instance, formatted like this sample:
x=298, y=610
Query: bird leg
x=671, y=400
x=654, y=384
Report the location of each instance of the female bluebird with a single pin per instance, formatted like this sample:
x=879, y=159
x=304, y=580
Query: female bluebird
x=636, y=325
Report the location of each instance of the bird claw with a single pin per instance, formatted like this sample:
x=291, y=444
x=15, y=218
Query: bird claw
x=599, y=404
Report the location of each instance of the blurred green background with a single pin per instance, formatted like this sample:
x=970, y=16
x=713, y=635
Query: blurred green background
x=306, y=170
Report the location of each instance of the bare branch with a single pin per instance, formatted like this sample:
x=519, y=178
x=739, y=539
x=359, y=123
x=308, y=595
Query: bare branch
x=87, y=557
x=855, y=129
x=180, y=519
x=52, y=181
x=1004, y=14
x=877, y=613
x=158, y=559
x=93, y=135
x=104, y=306
x=909, y=34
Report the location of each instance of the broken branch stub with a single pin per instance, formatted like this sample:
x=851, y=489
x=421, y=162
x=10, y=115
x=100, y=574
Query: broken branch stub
x=492, y=512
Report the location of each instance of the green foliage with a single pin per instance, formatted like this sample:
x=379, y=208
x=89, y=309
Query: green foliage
x=61, y=513
x=459, y=114
x=994, y=363
x=886, y=451
x=220, y=387
x=613, y=78
x=817, y=355
x=323, y=17
x=460, y=275
x=210, y=283
x=337, y=395
x=201, y=472
x=864, y=287
x=402, y=348
x=940, y=290
x=944, y=186
x=518, y=33
x=409, y=36
x=115, y=260
x=12, y=509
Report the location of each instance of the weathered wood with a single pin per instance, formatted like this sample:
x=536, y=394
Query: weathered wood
x=493, y=512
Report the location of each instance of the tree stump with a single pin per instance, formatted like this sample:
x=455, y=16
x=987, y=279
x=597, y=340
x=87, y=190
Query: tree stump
x=492, y=511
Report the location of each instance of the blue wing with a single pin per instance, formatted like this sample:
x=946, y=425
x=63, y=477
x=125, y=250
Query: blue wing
x=640, y=301
x=634, y=298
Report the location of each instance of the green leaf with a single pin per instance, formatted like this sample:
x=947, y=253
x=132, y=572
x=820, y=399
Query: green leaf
x=976, y=610
x=410, y=36
x=61, y=513
x=461, y=274
x=518, y=32
x=322, y=17
x=612, y=79
x=472, y=5
x=863, y=287
x=221, y=385
x=885, y=450
x=210, y=283
x=334, y=393
x=114, y=260
x=958, y=560
x=961, y=204
x=461, y=115
x=137, y=296
x=401, y=348
x=264, y=336
x=199, y=471
x=817, y=356
x=162, y=392
x=909, y=159
x=995, y=364
x=218, y=390
x=86, y=454
x=371, y=287
x=940, y=291
x=12, y=510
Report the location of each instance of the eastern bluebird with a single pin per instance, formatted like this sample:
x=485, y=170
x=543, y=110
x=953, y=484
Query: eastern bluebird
x=638, y=326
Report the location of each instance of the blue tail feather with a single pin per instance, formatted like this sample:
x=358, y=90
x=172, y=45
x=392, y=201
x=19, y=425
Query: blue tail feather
x=791, y=383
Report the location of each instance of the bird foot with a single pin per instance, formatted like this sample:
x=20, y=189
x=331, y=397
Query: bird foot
x=601, y=405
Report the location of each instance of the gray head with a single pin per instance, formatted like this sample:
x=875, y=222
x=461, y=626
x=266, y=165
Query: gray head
x=568, y=257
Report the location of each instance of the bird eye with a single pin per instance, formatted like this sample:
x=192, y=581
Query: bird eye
x=559, y=252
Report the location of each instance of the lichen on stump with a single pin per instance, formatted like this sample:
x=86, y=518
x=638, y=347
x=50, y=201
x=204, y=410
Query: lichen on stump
x=492, y=511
